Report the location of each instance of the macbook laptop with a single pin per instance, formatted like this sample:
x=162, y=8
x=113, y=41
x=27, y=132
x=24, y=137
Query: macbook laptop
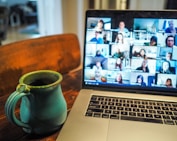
x=129, y=78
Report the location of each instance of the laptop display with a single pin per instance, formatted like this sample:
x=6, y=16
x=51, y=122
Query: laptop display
x=131, y=51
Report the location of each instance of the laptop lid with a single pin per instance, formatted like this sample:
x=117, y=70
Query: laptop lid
x=131, y=51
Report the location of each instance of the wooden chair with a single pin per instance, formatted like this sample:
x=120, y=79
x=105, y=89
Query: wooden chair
x=56, y=52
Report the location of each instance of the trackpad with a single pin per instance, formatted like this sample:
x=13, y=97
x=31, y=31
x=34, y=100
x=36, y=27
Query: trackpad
x=140, y=131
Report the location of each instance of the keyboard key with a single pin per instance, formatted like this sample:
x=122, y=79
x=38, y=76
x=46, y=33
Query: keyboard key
x=137, y=102
x=167, y=104
x=149, y=107
x=118, y=104
x=132, y=114
x=95, y=110
x=124, y=113
x=136, y=110
x=170, y=122
x=128, y=109
x=94, y=102
x=156, y=107
x=152, y=103
x=108, y=111
x=110, y=103
x=88, y=114
x=166, y=117
x=93, y=98
x=141, y=106
x=140, y=114
x=157, y=116
x=94, y=106
x=141, y=119
x=126, y=105
x=114, y=116
x=129, y=101
x=149, y=115
x=144, y=102
x=160, y=104
x=105, y=107
x=152, y=111
x=165, y=108
x=101, y=98
x=112, y=107
x=168, y=113
x=173, y=109
x=97, y=115
x=174, y=118
x=144, y=110
x=134, y=105
x=160, y=112
x=174, y=104
x=105, y=115
x=116, y=112
x=120, y=108
x=104, y=103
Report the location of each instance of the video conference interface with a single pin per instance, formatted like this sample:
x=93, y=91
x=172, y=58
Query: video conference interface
x=143, y=53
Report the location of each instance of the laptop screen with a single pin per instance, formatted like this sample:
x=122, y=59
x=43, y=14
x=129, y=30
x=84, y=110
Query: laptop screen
x=131, y=51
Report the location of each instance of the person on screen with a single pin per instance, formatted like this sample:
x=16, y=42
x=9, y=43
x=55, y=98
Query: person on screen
x=97, y=66
x=118, y=64
x=168, y=56
x=122, y=29
x=98, y=54
x=105, y=40
x=171, y=28
x=166, y=68
x=168, y=83
x=97, y=39
x=98, y=75
x=144, y=66
x=140, y=80
x=141, y=53
x=153, y=41
x=170, y=41
x=121, y=43
x=100, y=26
x=119, y=38
x=119, y=78
x=97, y=70
x=118, y=54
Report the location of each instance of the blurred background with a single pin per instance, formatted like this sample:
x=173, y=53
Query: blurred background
x=24, y=19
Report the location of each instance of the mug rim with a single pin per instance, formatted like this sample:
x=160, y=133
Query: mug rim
x=22, y=78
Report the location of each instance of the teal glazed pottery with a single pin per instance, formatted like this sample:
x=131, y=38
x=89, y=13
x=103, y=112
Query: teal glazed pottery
x=43, y=108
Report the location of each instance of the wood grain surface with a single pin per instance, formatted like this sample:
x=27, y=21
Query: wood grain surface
x=71, y=86
x=56, y=52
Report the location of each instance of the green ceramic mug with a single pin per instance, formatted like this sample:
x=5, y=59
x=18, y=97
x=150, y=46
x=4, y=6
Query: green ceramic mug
x=43, y=108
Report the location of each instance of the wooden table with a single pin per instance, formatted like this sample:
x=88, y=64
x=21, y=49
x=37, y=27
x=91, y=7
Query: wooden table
x=71, y=85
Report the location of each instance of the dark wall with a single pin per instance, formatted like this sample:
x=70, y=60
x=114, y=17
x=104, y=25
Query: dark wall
x=171, y=4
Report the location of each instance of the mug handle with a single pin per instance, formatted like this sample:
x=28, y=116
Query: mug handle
x=21, y=90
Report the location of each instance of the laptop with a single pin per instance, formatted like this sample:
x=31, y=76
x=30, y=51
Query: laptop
x=129, y=83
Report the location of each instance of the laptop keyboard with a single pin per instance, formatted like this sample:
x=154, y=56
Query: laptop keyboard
x=133, y=109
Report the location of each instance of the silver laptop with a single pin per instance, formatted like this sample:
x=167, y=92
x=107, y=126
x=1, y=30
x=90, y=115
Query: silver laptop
x=129, y=78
